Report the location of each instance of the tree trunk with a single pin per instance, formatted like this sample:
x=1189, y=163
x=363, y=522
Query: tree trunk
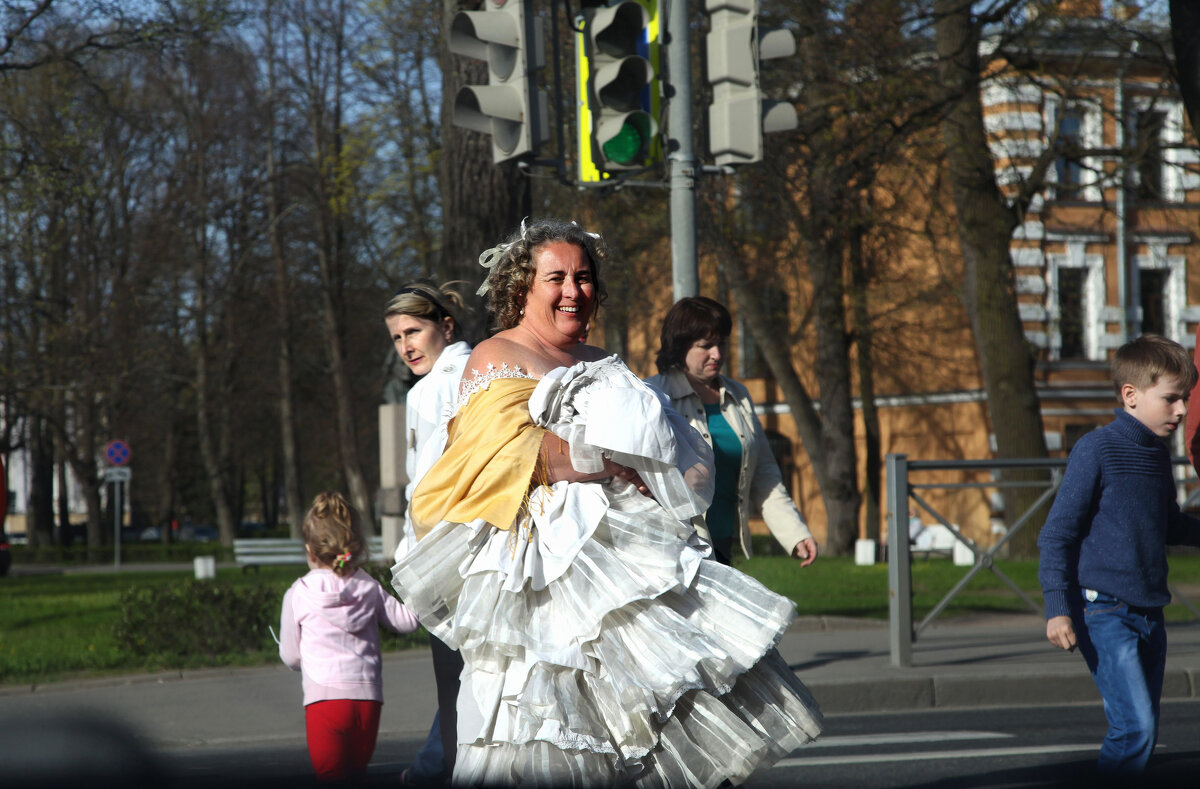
x=40, y=525
x=863, y=329
x=289, y=442
x=1185, y=40
x=210, y=454
x=985, y=224
x=63, y=530
x=841, y=496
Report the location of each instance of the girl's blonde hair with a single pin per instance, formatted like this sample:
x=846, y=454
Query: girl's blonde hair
x=333, y=532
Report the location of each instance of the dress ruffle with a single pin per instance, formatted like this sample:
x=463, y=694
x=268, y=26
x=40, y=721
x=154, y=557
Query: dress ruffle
x=611, y=653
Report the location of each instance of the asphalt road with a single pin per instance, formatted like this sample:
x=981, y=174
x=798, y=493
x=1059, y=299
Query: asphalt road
x=1042, y=746
x=1038, y=746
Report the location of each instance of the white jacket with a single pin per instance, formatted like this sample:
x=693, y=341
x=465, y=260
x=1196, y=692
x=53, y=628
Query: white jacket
x=429, y=404
x=760, y=482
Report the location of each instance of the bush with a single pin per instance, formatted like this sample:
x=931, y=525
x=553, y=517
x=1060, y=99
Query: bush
x=175, y=624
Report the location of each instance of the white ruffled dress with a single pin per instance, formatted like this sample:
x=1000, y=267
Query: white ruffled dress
x=601, y=646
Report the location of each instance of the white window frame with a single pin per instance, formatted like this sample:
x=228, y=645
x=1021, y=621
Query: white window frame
x=1091, y=137
x=1174, y=299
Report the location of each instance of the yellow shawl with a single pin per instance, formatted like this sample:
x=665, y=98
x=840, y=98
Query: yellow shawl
x=486, y=469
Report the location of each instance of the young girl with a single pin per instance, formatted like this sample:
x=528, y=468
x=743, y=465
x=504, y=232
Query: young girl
x=329, y=631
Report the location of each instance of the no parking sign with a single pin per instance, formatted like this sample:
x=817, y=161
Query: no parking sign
x=117, y=453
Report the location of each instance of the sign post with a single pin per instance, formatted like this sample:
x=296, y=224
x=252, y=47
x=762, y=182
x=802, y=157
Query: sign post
x=117, y=453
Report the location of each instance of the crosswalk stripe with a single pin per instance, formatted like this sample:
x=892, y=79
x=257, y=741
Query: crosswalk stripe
x=904, y=738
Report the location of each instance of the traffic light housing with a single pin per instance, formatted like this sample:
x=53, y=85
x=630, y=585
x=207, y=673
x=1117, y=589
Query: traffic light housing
x=739, y=114
x=618, y=89
x=506, y=34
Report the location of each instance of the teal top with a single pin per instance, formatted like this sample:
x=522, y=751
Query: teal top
x=722, y=516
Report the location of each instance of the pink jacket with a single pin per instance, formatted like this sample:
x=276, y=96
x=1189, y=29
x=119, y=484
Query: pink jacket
x=329, y=631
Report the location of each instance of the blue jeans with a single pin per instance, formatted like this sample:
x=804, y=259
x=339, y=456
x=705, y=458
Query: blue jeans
x=1126, y=650
x=429, y=768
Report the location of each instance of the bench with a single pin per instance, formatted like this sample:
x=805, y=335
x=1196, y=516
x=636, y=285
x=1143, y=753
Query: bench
x=252, y=553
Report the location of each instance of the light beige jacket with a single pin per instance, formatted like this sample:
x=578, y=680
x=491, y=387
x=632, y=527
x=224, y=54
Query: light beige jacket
x=760, y=482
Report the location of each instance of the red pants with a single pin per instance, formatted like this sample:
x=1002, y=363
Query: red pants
x=341, y=737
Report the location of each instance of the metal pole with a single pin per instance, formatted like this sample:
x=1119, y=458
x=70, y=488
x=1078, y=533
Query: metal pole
x=116, y=525
x=682, y=159
x=899, y=564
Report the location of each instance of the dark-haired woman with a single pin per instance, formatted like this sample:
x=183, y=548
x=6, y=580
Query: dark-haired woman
x=695, y=335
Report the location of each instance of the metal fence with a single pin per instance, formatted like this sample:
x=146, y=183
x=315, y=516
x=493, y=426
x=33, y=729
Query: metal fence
x=900, y=490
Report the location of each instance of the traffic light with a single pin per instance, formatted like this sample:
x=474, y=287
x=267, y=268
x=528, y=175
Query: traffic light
x=735, y=48
x=617, y=58
x=507, y=34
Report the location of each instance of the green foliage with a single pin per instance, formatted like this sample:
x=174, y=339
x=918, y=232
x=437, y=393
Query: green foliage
x=172, y=624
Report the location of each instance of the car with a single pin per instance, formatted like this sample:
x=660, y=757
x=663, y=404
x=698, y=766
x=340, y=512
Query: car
x=199, y=533
x=150, y=534
x=5, y=555
x=252, y=528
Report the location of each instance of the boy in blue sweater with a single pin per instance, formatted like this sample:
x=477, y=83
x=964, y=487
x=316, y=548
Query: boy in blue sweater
x=1103, y=563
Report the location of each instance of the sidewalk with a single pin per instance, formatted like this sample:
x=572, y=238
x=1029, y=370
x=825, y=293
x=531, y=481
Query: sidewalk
x=978, y=661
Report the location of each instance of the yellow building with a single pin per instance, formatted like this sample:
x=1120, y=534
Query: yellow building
x=1107, y=251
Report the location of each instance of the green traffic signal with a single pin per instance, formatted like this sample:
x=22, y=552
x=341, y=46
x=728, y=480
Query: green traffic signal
x=619, y=102
x=631, y=141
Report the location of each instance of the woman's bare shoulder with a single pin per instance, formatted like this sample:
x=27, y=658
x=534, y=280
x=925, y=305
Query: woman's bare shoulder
x=497, y=351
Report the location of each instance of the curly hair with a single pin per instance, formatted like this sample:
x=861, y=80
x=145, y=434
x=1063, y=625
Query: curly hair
x=333, y=529
x=511, y=277
x=429, y=302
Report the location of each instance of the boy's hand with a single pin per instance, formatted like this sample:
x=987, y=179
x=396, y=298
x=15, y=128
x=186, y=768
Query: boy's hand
x=1061, y=632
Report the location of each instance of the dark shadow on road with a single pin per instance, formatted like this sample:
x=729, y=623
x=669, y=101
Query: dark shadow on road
x=1166, y=770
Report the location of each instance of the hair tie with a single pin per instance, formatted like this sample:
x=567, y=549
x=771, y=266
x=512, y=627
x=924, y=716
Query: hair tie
x=587, y=233
x=342, y=559
x=490, y=257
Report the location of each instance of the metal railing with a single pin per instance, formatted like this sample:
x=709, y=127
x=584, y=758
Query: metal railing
x=899, y=555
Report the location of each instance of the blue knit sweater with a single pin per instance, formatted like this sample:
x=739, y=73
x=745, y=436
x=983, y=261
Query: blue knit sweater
x=1112, y=520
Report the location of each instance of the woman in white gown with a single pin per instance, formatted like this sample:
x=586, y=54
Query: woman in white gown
x=554, y=550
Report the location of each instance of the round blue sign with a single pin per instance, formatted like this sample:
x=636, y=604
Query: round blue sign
x=117, y=452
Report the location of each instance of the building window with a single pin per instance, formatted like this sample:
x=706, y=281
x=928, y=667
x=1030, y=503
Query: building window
x=1070, y=140
x=1153, y=291
x=1071, y=312
x=1148, y=154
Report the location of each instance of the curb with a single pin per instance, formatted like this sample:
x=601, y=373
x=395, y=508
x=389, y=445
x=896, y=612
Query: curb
x=957, y=691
